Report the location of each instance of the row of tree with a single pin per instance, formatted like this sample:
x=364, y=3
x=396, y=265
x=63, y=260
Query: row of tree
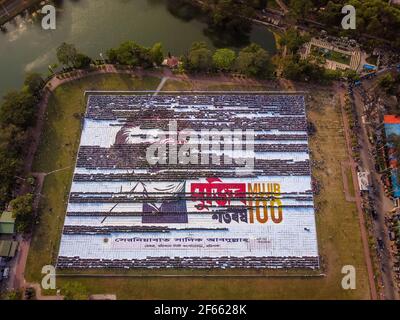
x=18, y=111
x=132, y=54
x=22, y=210
x=128, y=53
x=377, y=18
x=252, y=60
x=17, y=115
x=69, y=56
x=292, y=39
x=390, y=84
x=297, y=69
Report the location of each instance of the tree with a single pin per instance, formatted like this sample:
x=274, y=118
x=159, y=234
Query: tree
x=293, y=40
x=229, y=21
x=255, y=61
x=17, y=113
x=82, y=61
x=232, y=16
x=157, y=54
x=329, y=75
x=300, y=7
x=132, y=54
x=22, y=210
x=388, y=83
x=12, y=142
x=34, y=82
x=332, y=15
x=224, y=59
x=18, y=108
x=67, y=54
x=351, y=75
x=375, y=17
x=12, y=139
x=291, y=69
x=8, y=167
x=199, y=57
x=294, y=68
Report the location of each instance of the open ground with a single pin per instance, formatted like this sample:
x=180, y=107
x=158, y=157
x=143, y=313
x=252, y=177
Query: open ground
x=337, y=220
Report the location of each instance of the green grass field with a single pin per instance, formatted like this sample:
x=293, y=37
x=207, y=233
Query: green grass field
x=350, y=182
x=338, y=226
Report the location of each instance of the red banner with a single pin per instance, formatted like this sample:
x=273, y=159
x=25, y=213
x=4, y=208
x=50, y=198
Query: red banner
x=215, y=191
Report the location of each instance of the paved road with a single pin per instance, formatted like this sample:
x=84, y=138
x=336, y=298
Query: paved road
x=364, y=233
x=382, y=206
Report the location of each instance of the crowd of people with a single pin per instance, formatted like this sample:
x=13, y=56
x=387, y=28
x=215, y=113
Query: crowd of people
x=191, y=262
x=280, y=150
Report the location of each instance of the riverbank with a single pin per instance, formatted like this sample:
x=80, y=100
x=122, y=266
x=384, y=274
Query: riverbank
x=95, y=26
x=9, y=9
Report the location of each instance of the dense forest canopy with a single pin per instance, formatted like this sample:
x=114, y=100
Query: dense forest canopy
x=17, y=114
x=373, y=17
x=376, y=18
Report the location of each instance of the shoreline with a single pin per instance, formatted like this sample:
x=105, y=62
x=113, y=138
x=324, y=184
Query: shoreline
x=17, y=10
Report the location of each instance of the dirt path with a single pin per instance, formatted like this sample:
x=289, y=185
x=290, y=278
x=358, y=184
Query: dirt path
x=17, y=270
x=161, y=85
x=17, y=280
x=353, y=166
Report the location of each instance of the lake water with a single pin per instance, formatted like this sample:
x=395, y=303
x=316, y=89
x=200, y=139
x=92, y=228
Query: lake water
x=96, y=25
